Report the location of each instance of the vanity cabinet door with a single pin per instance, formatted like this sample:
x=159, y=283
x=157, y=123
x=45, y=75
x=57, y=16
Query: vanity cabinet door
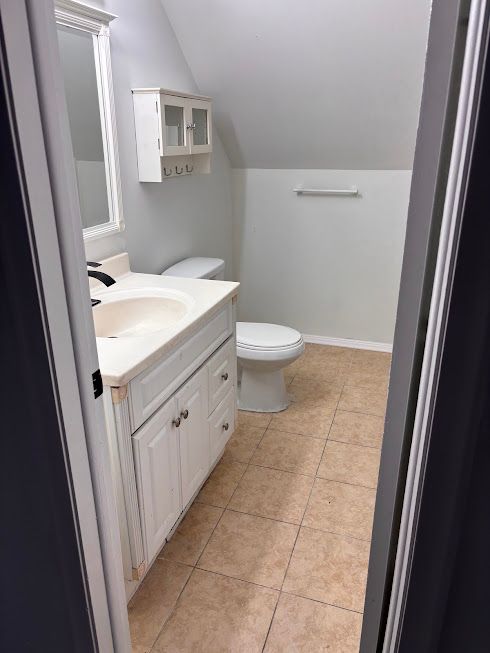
x=156, y=456
x=192, y=402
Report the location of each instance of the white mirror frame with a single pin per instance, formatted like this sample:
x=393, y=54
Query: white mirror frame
x=77, y=15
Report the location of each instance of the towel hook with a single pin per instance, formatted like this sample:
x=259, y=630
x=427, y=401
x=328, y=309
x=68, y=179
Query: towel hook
x=187, y=167
x=167, y=174
x=181, y=170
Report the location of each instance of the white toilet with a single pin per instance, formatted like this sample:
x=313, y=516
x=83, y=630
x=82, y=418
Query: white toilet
x=263, y=350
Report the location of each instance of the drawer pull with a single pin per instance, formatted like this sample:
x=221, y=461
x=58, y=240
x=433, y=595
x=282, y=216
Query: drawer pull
x=176, y=422
x=225, y=376
x=226, y=426
x=184, y=414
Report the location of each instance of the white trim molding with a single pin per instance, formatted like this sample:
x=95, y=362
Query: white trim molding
x=348, y=342
x=464, y=133
x=78, y=15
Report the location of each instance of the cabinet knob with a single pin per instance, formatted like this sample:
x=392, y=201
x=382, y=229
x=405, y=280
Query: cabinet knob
x=226, y=426
x=184, y=414
x=176, y=422
x=225, y=376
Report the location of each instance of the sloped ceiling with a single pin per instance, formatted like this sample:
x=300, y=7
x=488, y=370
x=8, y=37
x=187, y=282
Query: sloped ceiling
x=309, y=83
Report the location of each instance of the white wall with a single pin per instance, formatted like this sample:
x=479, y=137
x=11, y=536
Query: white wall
x=179, y=217
x=296, y=86
x=324, y=93
x=309, y=84
x=328, y=266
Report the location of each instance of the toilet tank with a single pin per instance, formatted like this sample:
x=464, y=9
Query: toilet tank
x=198, y=267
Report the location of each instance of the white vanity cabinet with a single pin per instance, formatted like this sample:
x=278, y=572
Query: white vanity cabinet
x=172, y=459
x=173, y=133
x=170, y=425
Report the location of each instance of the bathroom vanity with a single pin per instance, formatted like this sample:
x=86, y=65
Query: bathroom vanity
x=167, y=355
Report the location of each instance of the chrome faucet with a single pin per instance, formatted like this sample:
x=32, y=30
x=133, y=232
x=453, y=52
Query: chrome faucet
x=100, y=276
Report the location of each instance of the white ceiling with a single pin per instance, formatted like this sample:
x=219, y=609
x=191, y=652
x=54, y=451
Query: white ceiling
x=309, y=83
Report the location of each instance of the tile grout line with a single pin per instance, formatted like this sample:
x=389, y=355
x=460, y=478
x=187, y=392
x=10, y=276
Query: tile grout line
x=240, y=580
x=326, y=440
x=311, y=491
x=334, y=480
x=208, y=540
x=226, y=508
x=346, y=535
x=356, y=444
x=152, y=647
x=299, y=529
x=290, y=523
x=194, y=567
x=239, y=512
x=247, y=466
x=297, y=525
x=333, y=605
x=281, y=469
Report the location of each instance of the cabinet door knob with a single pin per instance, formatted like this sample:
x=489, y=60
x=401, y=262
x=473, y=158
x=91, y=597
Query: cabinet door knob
x=176, y=422
x=225, y=376
x=226, y=426
x=184, y=414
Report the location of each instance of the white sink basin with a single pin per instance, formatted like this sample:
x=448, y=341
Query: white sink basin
x=139, y=312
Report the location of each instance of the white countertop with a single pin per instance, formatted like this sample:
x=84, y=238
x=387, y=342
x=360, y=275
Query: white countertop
x=121, y=359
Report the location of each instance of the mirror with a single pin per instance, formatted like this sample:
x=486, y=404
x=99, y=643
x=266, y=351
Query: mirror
x=83, y=39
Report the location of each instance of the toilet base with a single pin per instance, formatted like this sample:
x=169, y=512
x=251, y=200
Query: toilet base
x=262, y=391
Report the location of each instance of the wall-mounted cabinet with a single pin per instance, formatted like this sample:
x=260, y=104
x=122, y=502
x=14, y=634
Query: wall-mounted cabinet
x=173, y=133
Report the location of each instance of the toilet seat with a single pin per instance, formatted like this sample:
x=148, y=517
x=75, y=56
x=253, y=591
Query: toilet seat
x=263, y=337
x=263, y=351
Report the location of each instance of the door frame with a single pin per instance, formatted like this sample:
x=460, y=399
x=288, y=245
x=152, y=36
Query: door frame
x=462, y=150
x=41, y=126
x=455, y=58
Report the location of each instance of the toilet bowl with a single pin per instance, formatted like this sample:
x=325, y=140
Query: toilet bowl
x=263, y=351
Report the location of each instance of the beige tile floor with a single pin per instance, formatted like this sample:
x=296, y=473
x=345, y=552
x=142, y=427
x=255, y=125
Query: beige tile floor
x=272, y=555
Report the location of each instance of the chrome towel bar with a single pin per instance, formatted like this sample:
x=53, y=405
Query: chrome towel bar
x=352, y=192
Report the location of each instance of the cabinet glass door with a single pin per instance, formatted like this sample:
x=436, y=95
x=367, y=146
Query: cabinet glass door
x=200, y=122
x=174, y=132
x=201, y=126
x=174, y=126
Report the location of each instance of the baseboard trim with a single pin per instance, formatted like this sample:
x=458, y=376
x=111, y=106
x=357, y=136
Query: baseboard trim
x=347, y=342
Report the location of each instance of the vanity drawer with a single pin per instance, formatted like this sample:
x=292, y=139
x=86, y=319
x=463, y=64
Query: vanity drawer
x=222, y=424
x=152, y=387
x=221, y=373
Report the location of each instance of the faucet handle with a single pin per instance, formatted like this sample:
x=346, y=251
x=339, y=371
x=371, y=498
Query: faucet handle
x=93, y=264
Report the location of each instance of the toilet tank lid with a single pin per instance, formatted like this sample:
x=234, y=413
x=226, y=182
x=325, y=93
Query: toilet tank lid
x=198, y=267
